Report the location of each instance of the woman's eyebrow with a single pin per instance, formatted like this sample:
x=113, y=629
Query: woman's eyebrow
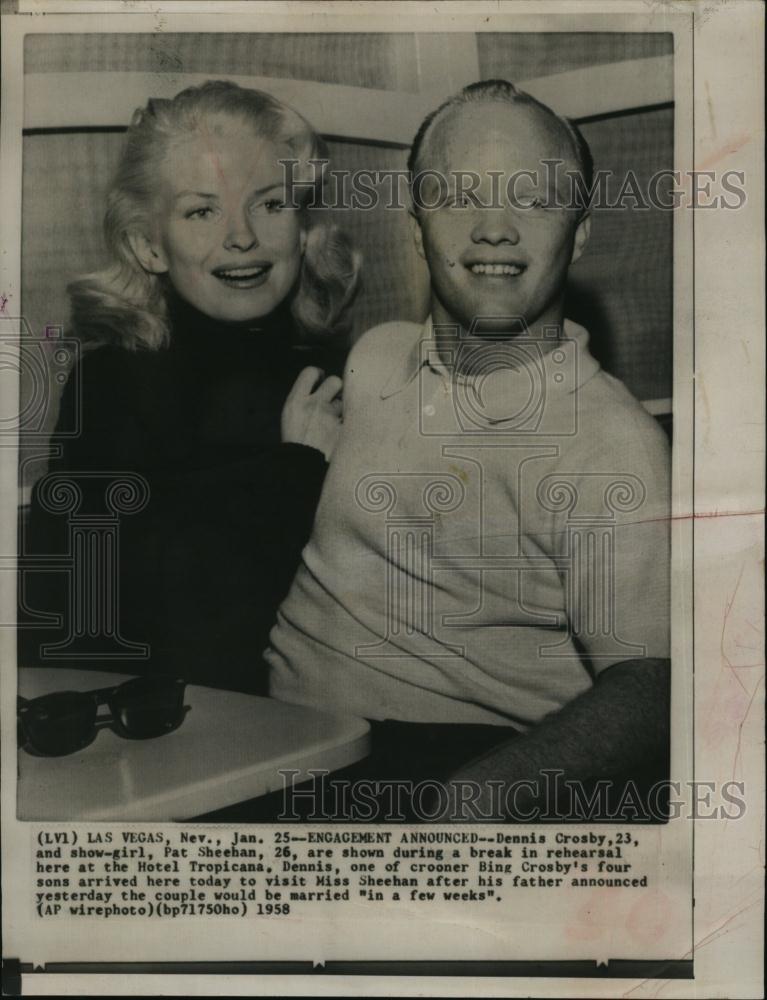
x=267, y=188
x=194, y=194
x=206, y=194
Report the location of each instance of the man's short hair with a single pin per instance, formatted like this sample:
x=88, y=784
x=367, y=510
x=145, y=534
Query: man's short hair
x=504, y=91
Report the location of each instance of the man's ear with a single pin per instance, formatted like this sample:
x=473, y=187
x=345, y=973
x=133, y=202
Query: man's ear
x=415, y=228
x=582, y=233
x=148, y=253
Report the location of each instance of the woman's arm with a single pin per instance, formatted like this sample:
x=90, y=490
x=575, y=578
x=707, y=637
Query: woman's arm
x=204, y=566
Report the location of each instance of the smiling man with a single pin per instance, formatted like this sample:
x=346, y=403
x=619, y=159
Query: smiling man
x=488, y=576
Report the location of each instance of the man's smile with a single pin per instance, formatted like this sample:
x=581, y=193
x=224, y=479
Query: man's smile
x=501, y=264
x=497, y=270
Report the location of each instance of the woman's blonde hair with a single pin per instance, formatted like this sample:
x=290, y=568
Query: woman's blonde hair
x=126, y=305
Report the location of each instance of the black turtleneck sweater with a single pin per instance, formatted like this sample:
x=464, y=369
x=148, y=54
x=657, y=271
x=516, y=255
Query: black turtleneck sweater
x=205, y=565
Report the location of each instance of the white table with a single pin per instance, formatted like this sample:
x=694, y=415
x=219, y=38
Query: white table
x=230, y=748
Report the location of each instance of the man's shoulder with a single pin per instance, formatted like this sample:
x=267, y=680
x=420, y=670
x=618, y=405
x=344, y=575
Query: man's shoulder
x=392, y=338
x=382, y=349
x=612, y=422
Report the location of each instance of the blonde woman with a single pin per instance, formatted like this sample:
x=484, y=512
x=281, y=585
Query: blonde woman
x=209, y=372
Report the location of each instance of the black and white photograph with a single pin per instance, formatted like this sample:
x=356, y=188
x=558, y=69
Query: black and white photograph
x=359, y=393
x=402, y=457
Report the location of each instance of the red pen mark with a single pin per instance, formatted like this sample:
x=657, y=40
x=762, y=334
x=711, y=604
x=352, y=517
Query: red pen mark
x=704, y=514
x=3, y=303
x=652, y=916
x=708, y=938
x=728, y=149
x=739, y=746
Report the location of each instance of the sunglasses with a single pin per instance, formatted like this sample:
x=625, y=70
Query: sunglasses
x=54, y=725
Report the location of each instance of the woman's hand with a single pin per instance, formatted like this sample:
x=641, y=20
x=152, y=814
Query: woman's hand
x=312, y=412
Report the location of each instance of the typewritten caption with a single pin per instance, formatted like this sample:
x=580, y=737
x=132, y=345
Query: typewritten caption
x=272, y=872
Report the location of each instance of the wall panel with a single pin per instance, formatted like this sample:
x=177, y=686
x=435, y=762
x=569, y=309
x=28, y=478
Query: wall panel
x=513, y=56
x=622, y=286
x=383, y=62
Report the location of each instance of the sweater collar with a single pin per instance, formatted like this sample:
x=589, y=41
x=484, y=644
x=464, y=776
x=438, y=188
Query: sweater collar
x=192, y=330
x=562, y=369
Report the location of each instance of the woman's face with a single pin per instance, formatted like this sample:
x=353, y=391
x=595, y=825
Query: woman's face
x=223, y=233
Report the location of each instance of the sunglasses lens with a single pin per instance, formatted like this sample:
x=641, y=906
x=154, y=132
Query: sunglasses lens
x=149, y=706
x=59, y=724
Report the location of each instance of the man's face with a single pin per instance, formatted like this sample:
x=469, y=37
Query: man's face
x=510, y=259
